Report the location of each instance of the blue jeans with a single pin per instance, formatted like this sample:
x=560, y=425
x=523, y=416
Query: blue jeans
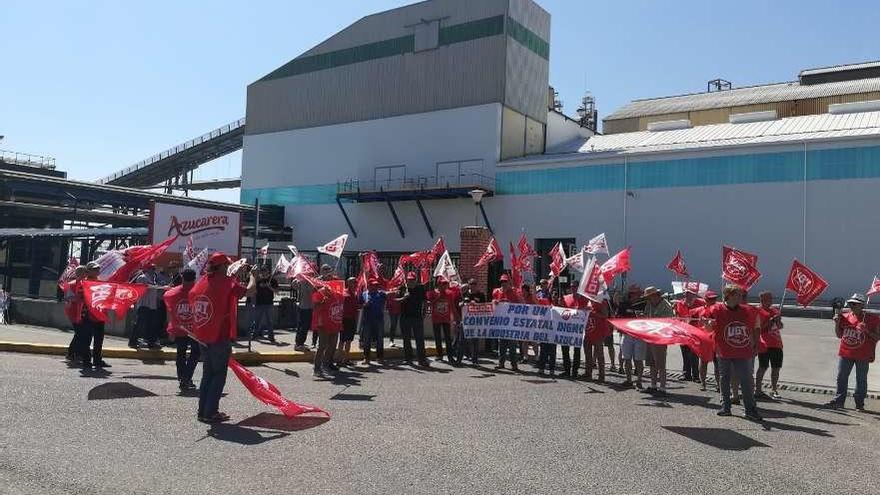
x=743, y=370
x=215, y=364
x=262, y=313
x=844, y=367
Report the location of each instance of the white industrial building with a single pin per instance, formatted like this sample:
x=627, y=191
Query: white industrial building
x=381, y=130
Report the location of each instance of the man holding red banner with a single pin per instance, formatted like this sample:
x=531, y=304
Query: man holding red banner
x=683, y=308
x=214, y=305
x=657, y=307
x=92, y=326
x=443, y=300
x=736, y=332
x=506, y=293
x=596, y=331
x=571, y=365
x=858, y=332
x=73, y=309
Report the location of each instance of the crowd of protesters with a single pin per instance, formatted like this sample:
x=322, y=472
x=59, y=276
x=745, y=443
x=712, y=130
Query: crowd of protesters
x=336, y=319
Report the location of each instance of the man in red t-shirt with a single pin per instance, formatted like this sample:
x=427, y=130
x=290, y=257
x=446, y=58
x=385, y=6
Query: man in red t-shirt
x=770, y=346
x=858, y=332
x=329, y=301
x=506, y=293
x=736, y=334
x=698, y=317
x=571, y=366
x=351, y=306
x=214, y=305
x=443, y=302
x=690, y=361
x=73, y=309
x=180, y=322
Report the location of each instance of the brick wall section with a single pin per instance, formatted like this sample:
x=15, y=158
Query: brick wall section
x=473, y=244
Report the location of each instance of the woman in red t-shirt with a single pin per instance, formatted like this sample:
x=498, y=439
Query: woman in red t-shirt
x=443, y=302
x=351, y=305
x=328, y=301
x=770, y=345
x=858, y=332
x=594, y=336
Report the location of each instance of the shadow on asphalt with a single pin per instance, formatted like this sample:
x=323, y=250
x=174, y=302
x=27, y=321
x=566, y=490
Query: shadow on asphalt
x=770, y=425
x=720, y=438
x=243, y=436
x=280, y=422
x=117, y=390
x=151, y=377
x=353, y=397
x=286, y=371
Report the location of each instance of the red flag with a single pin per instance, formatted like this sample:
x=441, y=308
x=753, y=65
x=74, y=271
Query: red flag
x=493, y=253
x=515, y=270
x=370, y=268
x=875, y=287
x=591, y=280
x=189, y=251
x=597, y=245
x=666, y=331
x=739, y=267
x=398, y=279
x=557, y=260
x=269, y=394
x=301, y=266
x=139, y=257
x=615, y=265
x=438, y=249
x=103, y=297
x=806, y=283
x=526, y=251
x=677, y=266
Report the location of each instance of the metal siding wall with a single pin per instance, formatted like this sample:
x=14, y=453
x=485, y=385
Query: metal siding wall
x=532, y=16
x=458, y=75
x=528, y=77
x=391, y=24
x=513, y=128
x=644, y=121
x=620, y=125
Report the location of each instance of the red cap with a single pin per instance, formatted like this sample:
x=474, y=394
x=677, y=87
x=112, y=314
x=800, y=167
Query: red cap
x=411, y=276
x=218, y=258
x=504, y=278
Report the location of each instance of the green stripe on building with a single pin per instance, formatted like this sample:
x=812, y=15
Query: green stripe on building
x=448, y=35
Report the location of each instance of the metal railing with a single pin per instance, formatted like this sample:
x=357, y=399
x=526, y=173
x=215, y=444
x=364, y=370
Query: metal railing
x=177, y=149
x=27, y=159
x=352, y=186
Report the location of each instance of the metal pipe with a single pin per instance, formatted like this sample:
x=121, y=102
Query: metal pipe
x=805, y=204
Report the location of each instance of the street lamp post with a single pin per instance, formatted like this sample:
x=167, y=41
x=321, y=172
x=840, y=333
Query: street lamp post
x=477, y=196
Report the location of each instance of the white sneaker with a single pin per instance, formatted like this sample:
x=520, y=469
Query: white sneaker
x=300, y=348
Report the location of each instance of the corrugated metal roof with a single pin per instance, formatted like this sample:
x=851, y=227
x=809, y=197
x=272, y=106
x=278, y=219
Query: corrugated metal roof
x=112, y=231
x=742, y=96
x=839, y=68
x=792, y=129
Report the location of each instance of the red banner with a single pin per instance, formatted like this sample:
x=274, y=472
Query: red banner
x=557, y=260
x=103, y=297
x=875, y=287
x=615, y=265
x=739, y=267
x=438, y=249
x=677, y=266
x=138, y=257
x=515, y=269
x=526, y=251
x=805, y=283
x=269, y=394
x=666, y=331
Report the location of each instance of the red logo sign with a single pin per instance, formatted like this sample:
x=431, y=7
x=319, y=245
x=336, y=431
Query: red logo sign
x=202, y=310
x=852, y=337
x=196, y=225
x=737, y=335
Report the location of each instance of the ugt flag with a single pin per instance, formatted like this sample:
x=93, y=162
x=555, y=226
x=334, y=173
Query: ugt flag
x=103, y=297
x=269, y=394
x=493, y=253
x=739, y=267
x=666, y=331
x=446, y=269
x=597, y=245
x=615, y=265
x=677, y=266
x=558, y=260
x=335, y=247
x=526, y=251
x=591, y=281
x=805, y=283
x=875, y=287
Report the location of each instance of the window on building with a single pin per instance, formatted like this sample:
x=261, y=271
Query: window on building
x=427, y=35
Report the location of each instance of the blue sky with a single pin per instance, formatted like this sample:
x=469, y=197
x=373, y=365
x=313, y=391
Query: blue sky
x=101, y=85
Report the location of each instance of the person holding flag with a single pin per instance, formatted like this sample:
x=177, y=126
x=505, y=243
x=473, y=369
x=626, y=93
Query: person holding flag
x=571, y=366
x=351, y=306
x=412, y=318
x=770, y=345
x=468, y=296
x=180, y=319
x=858, y=332
x=657, y=307
x=596, y=332
x=329, y=307
x=442, y=301
x=683, y=308
x=73, y=309
x=214, y=305
x=92, y=326
x=736, y=332
x=506, y=293
x=698, y=319
x=373, y=312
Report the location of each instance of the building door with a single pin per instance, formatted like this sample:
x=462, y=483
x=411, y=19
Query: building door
x=542, y=263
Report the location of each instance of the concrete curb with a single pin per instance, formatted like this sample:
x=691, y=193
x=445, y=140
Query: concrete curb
x=243, y=357
x=783, y=385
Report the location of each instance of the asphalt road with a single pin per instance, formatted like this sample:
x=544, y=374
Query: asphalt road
x=413, y=431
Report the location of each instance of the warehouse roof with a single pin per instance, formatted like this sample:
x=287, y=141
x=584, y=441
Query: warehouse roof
x=792, y=129
x=839, y=68
x=765, y=93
